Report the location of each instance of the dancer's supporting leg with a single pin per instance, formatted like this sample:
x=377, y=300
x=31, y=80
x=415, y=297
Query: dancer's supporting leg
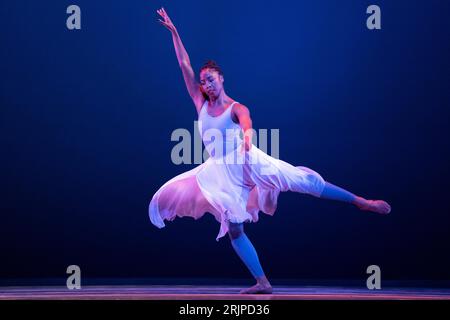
x=333, y=192
x=245, y=250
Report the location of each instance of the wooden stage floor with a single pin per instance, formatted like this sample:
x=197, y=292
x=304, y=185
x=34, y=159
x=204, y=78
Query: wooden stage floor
x=190, y=292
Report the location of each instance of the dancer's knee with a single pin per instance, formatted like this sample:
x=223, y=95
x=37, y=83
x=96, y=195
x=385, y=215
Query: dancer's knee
x=235, y=230
x=314, y=183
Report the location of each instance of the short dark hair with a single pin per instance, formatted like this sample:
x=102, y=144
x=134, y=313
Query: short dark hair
x=211, y=64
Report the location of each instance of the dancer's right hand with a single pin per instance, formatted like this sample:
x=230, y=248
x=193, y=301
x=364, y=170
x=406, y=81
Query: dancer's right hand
x=166, y=22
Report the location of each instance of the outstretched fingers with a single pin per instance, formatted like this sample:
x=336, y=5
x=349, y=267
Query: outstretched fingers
x=164, y=15
x=161, y=13
x=164, y=24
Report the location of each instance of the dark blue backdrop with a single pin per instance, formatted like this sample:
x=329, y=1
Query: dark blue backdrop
x=86, y=119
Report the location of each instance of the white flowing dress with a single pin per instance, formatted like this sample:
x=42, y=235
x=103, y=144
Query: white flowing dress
x=231, y=184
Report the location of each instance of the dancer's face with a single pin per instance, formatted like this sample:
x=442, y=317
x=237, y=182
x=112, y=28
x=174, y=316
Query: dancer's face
x=211, y=82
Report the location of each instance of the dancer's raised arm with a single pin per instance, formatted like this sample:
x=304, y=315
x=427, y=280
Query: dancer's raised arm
x=192, y=85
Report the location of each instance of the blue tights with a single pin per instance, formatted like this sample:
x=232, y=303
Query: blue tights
x=245, y=250
x=333, y=192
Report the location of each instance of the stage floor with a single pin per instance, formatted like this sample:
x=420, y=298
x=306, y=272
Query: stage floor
x=189, y=292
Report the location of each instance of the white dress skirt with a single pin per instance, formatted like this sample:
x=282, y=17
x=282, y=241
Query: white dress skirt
x=231, y=184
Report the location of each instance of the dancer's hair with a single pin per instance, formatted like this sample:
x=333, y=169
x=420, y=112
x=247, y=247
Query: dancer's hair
x=211, y=64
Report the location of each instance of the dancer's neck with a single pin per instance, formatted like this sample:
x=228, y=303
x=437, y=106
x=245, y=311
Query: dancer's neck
x=220, y=101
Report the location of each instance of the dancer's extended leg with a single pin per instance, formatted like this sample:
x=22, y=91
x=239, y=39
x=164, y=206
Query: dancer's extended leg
x=245, y=250
x=333, y=192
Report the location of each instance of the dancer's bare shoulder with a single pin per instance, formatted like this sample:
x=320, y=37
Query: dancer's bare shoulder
x=239, y=111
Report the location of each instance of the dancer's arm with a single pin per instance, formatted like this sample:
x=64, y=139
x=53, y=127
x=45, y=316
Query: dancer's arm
x=192, y=85
x=245, y=121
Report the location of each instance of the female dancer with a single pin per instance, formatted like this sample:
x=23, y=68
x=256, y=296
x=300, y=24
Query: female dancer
x=235, y=184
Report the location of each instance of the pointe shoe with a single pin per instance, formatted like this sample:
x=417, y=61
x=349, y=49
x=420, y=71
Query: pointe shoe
x=378, y=206
x=258, y=289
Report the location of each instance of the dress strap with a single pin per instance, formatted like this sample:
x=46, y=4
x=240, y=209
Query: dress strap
x=203, y=106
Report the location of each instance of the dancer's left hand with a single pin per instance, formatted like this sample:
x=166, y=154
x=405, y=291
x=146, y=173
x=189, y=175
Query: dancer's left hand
x=166, y=22
x=246, y=145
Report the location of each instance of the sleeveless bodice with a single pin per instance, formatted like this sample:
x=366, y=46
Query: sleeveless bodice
x=220, y=134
